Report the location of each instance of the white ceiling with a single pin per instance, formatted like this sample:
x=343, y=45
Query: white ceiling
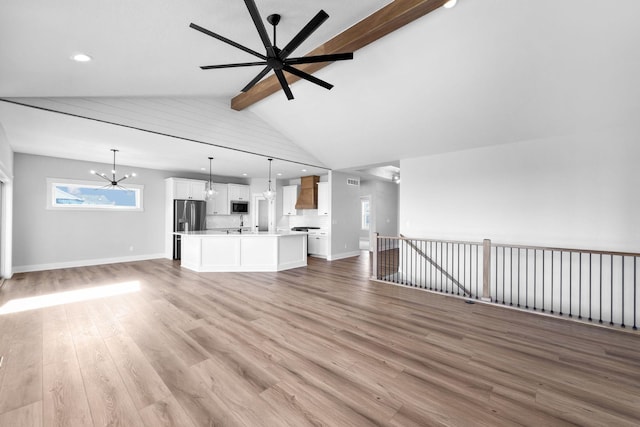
x=483, y=73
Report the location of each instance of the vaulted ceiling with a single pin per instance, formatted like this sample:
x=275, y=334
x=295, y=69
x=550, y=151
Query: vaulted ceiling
x=485, y=72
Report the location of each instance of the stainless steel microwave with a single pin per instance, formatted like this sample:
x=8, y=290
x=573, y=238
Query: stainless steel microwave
x=239, y=207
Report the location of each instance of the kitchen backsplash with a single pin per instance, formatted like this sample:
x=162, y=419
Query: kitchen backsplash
x=226, y=221
x=309, y=218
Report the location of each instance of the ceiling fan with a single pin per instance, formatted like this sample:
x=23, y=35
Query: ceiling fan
x=277, y=59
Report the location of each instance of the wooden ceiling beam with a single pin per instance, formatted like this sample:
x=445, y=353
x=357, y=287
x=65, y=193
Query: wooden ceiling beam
x=395, y=15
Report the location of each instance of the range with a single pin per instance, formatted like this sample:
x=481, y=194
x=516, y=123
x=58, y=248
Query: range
x=304, y=228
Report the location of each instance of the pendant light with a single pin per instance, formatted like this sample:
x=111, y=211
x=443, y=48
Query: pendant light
x=269, y=194
x=113, y=182
x=210, y=192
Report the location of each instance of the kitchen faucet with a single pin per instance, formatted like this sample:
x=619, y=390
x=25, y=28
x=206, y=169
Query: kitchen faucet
x=241, y=224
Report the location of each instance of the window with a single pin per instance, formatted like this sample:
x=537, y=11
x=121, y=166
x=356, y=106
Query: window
x=365, y=204
x=89, y=195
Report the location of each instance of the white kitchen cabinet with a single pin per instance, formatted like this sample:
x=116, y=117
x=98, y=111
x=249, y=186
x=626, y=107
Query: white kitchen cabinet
x=239, y=192
x=188, y=189
x=289, y=198
x=219, y=205
x=317, y=244
x=323, y=198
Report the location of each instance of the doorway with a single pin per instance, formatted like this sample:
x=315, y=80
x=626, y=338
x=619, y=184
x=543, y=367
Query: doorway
x=365, y=222
x=260, y=213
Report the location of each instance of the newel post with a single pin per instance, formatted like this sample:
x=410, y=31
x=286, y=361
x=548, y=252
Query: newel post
x=374, y=253
x=486, y=270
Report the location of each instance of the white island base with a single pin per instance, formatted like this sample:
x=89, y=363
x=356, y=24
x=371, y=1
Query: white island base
x=215, y=251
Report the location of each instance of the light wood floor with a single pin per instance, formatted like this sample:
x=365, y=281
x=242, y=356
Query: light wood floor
x=320, y=345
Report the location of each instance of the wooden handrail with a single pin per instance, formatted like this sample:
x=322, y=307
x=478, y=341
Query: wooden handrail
x=505, y=245
x=402, y=237
x=584, y=251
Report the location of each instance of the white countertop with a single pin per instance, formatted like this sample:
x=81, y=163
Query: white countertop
x=220, y=233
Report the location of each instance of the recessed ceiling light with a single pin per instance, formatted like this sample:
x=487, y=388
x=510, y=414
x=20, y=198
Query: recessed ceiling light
x=244, y=174
x=203, y=169
x=304, y=170
x=81, y=57
x=450, y=4
x=279, y=174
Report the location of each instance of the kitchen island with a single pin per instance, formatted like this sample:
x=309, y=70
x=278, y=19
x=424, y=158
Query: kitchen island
x=209, y=251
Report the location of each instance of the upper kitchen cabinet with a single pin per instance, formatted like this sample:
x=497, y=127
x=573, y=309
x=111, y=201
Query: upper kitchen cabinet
x=323, y=198
x=188, y=189
x=289, y=198
x=239, y=192
x=219, y=205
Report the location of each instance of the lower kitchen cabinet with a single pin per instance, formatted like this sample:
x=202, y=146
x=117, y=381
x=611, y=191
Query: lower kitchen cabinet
x=317, y=245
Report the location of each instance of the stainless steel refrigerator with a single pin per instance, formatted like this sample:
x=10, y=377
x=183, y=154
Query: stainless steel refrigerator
x=188, y=215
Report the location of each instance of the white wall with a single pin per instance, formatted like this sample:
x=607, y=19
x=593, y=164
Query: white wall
x=345, y=217
x=576, y=191
x=44, y=238
x=6, y=211
x=384, y=207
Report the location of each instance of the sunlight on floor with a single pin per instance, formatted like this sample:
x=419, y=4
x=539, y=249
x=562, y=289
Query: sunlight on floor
x=60, y=298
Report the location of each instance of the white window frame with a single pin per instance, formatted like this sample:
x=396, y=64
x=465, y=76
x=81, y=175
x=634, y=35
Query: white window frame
x=364, y=226
x=53, y=182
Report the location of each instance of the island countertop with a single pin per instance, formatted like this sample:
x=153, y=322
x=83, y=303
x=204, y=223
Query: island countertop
x=232, y=233
x=217, y=250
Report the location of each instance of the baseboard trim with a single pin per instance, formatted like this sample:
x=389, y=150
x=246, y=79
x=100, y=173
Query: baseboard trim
x=343, y=255
x=84, y=263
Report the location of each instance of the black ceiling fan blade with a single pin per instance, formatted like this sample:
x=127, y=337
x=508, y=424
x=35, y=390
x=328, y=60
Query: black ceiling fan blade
x=226, y=40
x=319, y=58
x=284, y=84
x=240, y=64
x=308, y=77
x=257, y=78
x=262, y=31
x=308, y=29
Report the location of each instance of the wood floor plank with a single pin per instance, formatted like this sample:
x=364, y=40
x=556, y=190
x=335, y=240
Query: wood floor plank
x=320, y=345
x=143, y=383
x=26, y=416
x=165, y=412
x=107, y=395
x=65, y=401
x=22, y=364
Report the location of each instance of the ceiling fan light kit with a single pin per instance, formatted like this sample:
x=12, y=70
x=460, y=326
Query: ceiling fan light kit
x=276, y=59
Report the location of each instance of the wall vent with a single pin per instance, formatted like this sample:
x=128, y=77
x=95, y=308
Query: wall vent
x=353, y=181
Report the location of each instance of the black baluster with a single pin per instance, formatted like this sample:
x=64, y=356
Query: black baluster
x=622, y=284
x=570, y=284
x=635, y=297
x=535, y=275
x=543, y=277
x=441, y=264
x=496, y=274
x=526, y=279
x=590, y=291
x=458, y=278
x=600, y=320
x=552, y=256
x=477, y=270
x=431, y=266
x=561, y=262
x=580, y=286
x=504, y=257
x=519, y=276
x=511, y=276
